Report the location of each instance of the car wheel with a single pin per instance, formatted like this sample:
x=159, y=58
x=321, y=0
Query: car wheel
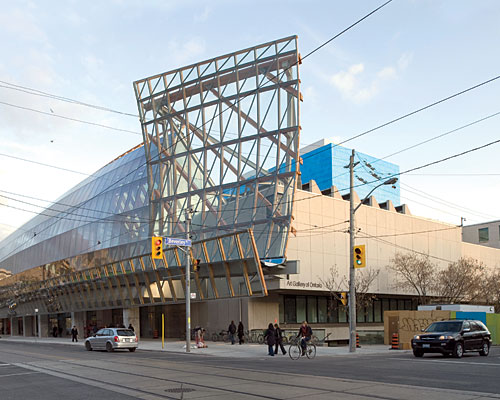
x=132, y=349
x=485, y=349
x=109, y=347
x=418, y=353
x=88, y=346
x=458, y=352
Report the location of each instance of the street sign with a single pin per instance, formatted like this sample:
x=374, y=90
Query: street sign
x=178, y=242
x=193, y=295
x=343, y=298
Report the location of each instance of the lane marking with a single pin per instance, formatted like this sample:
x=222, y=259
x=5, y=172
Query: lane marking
x=20, y=373
x=452, y=362
x=4, y=365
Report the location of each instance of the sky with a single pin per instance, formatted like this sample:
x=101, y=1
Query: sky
x=409, y=54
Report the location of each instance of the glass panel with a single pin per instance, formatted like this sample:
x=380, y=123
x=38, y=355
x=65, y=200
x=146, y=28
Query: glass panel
x=342, y=314
x=322, y=309
x=312, y=309
x=360, y=315
x=401, y=304
x=290, y=313
x=394, y=304
x=377, y=308
x=369, y=313
x=300, y=309
x=333, y=313
x=385, y=307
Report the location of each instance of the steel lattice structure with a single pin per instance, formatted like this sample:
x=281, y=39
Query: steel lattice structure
x=222, y=138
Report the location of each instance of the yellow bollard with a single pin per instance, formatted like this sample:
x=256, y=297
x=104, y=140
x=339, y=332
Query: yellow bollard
x=162, y=330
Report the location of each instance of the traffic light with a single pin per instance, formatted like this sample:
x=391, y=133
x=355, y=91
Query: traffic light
x=157, y=247
x=343, y=298
x=359, y=256
x=196, y=265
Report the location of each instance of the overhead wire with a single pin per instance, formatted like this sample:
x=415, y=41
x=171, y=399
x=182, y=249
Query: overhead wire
x=240, y=98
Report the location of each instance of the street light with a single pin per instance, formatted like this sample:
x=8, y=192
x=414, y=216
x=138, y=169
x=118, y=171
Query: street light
x=352, y=271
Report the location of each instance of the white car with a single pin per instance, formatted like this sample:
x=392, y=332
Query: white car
x=110, y=339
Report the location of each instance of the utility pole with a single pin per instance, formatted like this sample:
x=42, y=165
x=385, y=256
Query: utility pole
x=352, y=271
x=188, y=284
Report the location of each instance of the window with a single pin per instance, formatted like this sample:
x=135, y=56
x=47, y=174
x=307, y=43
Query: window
x=301, y=309
x=322, y=309
x=290, y=313
x=312, y=310
x=484, y=235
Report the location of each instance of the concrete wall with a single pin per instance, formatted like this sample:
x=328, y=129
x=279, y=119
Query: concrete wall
x=321, y=241
x=470, y=234
x=131, y=316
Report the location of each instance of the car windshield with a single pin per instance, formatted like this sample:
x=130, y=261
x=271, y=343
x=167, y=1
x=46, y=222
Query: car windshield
x=125, y=332
x=451, y=326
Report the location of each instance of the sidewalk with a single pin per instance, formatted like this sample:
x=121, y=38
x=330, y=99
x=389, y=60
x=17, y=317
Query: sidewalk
x=218, y=349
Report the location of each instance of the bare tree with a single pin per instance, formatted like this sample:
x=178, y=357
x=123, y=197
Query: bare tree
x=415, y=273
x=491, y=289
x=336, y=283
x=364, y=293
x=462, y=281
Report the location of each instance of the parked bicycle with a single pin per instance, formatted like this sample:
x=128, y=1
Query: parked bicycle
x=222, y=336
x=295, y=350
x=256, y=336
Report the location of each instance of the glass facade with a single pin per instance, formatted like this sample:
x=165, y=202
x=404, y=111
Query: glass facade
x=107, y=209
x=326, y=166
x=323, y=309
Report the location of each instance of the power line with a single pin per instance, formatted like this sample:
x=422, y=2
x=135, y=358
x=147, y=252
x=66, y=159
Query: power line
x=40, y=93
x=69, y=118
x=44, y=164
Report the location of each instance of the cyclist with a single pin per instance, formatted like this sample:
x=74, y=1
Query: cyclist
x=305, y=333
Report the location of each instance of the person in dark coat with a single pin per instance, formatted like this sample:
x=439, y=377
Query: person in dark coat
x=270, y=338
x=131, y=327
x=241, y=333
x=279, y=339
x=231, y=330
x=54, y=331
x=74, y=334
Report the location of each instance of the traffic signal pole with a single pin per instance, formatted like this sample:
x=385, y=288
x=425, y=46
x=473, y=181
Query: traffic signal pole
x=352, y=271
x=188, y=285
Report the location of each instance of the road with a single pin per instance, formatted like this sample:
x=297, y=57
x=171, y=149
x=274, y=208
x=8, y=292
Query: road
x=46, y=371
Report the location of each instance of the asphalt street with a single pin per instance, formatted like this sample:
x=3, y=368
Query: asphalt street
x=58, y=371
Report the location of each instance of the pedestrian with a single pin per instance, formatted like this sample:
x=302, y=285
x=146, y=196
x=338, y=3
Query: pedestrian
x=270, y=338
x=54, y=331
x=131, y=327
x=231, y=331
x=278, y=333
x=74, y=334
x=241, y=333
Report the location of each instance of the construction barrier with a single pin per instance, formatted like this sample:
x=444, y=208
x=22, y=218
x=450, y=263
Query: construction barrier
x=357, y=341
x=395, y=342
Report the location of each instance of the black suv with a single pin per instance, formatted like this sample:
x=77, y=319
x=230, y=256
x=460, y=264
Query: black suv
x=453, y=338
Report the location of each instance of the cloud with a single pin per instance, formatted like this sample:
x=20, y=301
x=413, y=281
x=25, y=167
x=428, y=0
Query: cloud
x=203, y=16
x=355, y=86
x=185, y=52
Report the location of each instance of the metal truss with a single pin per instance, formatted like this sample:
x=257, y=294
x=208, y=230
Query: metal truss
x=229, y=266
x=222, y=139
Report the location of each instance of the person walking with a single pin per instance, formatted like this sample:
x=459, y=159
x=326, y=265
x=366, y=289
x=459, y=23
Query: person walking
x=241, y=333
x=74, y=334
x=270, y=337
x=231, y=330
x=278, y=333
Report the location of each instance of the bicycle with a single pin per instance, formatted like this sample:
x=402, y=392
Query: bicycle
x=223, y=336
x=295, y=350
